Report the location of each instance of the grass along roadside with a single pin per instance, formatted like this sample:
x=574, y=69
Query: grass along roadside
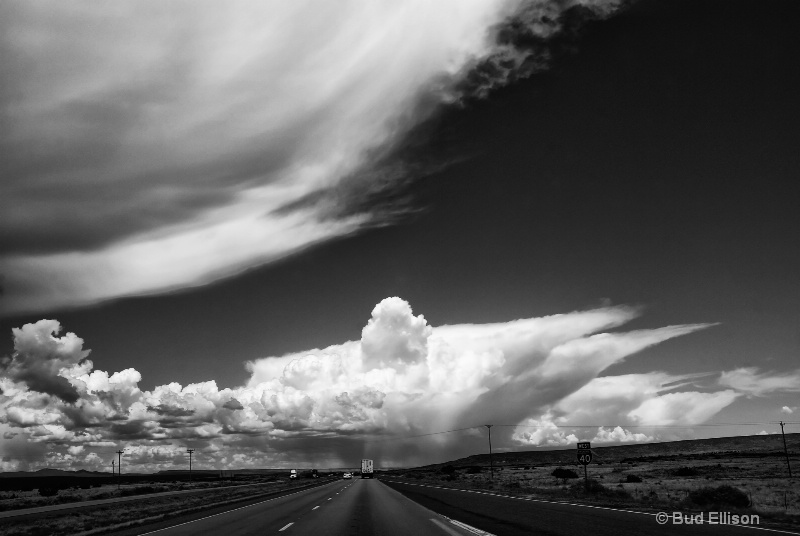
x=110, y=517
x=19, y=500
x=647, y=486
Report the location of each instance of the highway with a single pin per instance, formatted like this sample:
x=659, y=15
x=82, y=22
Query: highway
x=343, y=507
x=375, y=507
x=514, y=516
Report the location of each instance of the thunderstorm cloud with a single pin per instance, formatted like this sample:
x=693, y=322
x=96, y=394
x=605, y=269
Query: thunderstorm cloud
x=402, y=378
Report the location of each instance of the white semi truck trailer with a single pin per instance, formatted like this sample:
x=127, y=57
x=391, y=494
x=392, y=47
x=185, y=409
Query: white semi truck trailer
x=366, y=469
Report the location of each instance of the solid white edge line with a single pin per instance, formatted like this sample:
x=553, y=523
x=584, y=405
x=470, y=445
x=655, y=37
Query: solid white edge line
x=579, y=505
x=226, y=512
x=286, y=527
x=444, y=527
x=470, y=528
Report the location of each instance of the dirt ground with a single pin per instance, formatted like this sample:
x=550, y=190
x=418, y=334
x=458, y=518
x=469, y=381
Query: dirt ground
x=650, y=483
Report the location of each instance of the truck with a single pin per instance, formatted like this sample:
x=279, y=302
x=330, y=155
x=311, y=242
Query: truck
x=366, y=469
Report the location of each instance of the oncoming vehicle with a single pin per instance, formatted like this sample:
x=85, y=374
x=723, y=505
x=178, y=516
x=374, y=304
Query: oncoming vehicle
x=347, y=476
x=293, y=473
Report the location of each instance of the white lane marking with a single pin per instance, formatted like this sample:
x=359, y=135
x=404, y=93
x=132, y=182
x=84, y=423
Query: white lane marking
x=286, y=527
x=445, y=528
x=227, y=512
x=469, y=528
x=576, y=504
x=314, y=508
x=526, y=498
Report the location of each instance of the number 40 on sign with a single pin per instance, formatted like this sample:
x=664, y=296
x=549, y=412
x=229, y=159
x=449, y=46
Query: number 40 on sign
x=584, y=453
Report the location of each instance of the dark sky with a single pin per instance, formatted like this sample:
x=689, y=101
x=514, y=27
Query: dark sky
x=654, y=164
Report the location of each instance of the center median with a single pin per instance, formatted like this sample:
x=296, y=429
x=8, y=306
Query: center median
x=129, y=516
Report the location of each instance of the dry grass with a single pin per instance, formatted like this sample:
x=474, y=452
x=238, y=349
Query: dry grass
x=103, y=518
x=773, y=496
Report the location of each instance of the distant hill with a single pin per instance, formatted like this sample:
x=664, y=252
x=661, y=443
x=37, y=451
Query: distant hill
x=178, y=472
x=755, y=445
x=54, y=472
x=217, y=471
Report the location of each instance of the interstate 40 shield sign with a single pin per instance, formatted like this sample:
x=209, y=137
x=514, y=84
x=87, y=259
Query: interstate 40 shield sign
x=584, y=453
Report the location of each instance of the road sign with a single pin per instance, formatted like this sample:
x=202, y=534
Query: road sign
x=584, y=453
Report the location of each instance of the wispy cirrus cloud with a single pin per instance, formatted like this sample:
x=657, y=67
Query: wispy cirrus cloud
x=402, y=378
x=752, y=382
x=148, y=146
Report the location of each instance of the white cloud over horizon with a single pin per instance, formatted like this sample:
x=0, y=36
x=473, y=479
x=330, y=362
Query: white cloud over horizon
x=540, y=376
x=751, y=381
x=150, y=146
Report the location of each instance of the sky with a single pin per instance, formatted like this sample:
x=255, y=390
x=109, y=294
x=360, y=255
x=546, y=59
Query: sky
x=298, y=234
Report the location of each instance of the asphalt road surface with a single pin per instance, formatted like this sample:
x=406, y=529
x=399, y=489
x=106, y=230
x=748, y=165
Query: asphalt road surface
x=511, y=516
x=389, y=508
x=344, y=507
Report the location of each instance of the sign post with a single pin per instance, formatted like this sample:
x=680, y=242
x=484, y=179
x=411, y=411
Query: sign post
x=585, y=458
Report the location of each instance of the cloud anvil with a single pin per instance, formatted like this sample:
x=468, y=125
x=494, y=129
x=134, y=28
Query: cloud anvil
x=403, y=377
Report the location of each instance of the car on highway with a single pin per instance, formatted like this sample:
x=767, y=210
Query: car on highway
x=293, y=473
x=347, y=476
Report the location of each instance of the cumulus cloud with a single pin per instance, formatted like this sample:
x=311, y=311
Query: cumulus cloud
x=40, y=357
x=619, y=435
x=188, y=141
x=543, y=432
x=787, y=410
x=540, y=378
x=233, y=404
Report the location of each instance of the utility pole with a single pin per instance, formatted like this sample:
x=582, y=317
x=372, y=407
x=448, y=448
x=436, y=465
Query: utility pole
x=785, y=450
x=491, y=464
x=119, y=467
x=113, y=470
x=190, y=451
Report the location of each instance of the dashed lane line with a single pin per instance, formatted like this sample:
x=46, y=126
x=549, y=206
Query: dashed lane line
x=286, y=527
x=226, y=512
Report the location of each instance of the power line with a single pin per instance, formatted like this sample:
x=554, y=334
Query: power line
x=785, y=450
x=586, y=426
x=395, y=438
x=119, y=467
x=702, y=425
x=190, y=451
x=491, y=465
